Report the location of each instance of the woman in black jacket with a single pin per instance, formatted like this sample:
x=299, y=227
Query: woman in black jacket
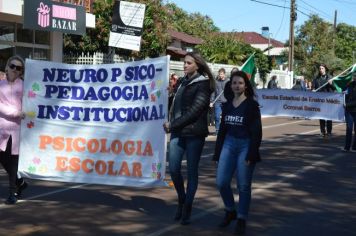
x=323, y=83
x=188, y=126
x=237, y=148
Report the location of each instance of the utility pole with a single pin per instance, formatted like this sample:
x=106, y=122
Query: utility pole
x=293, y=17
x=334, y=33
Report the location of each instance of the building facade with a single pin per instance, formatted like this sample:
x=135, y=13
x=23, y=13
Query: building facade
x=33, y=44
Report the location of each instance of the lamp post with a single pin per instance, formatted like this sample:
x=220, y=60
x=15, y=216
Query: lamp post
x=267, y=34
x=269, y=43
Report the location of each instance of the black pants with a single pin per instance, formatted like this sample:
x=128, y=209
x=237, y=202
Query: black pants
x=329, y=126
x=10, y=164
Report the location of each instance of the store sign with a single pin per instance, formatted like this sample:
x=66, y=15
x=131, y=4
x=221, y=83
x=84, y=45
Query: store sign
x=52, y=16
x=127, y=24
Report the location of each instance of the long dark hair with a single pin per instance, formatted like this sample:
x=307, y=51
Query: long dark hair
x=203, y=68
x=326, y=68
x=249, y=92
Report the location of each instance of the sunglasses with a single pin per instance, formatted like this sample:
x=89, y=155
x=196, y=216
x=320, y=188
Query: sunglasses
x=18, y=68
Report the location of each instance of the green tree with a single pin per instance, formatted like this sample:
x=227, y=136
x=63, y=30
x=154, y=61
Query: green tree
x=345, y=43
x=224, y=48
x=95, y=39
x=154, y=37
x=263, y=66
x=194, y=24
x=314, y=45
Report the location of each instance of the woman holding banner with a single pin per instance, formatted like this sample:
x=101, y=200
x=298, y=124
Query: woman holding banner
x=11, y=90
x=322, y=83
x=188, y=126
x=237, y=148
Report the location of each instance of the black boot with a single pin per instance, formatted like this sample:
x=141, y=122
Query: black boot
x=187, y=211
x=179, y=211
x=12, y=199
x=229, y=216
x=21, y=185
x=240, y=227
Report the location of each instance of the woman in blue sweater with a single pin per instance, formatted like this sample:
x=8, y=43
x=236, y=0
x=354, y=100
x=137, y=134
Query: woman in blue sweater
x=237, y=148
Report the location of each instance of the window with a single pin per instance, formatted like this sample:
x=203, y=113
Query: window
x=41, y=54
x=24, y=35
x=7, y=31
x=26, y=43
x=41, y=37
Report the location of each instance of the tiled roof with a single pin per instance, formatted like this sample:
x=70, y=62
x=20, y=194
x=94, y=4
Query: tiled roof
x=186, y=38
x=255, y=38
x=176, y=51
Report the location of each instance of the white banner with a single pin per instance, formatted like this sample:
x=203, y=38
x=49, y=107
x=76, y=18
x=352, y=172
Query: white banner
x=293, y=103
x=95, y=123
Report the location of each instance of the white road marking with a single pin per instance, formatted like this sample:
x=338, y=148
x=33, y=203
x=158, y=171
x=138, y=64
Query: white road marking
x=265, y=187
x=283, y=179
x=4, y=206
x=283, y=124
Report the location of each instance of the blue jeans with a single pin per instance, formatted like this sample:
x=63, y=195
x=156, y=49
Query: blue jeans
x=192, y=147
x=350, y=118
x=217, y=112
x=232, y=158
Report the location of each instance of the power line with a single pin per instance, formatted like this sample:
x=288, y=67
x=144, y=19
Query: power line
x=280, y=25
x=317, y=10
x=274, y=5
x=284, y=7
x=344, y=1
x=306, y=14
x=270, y=4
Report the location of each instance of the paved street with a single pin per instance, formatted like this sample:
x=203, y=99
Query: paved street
x=305, y=185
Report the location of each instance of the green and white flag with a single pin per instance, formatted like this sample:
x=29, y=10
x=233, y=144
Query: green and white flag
x=340, y=82
x=250, y=69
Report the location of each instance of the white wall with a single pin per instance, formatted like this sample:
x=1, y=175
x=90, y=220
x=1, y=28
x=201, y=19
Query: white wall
x=13, y=7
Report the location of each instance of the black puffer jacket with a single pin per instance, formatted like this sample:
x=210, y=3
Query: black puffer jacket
x=194, y=105
x=320, y=81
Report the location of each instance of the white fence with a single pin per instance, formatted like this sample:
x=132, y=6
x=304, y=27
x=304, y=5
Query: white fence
x=94, y=59
x=283, y=77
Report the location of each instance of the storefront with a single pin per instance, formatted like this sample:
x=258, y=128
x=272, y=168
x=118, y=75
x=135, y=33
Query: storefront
x=34, y=44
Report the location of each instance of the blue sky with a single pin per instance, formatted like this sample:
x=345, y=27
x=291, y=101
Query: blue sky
x=247, y=15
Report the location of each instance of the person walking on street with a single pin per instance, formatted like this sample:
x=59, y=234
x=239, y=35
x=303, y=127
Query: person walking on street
x=217, y=98
x=272, y=84
x=11, y=90
x=188, y=126
x=350, y=114
x=298, y=85
x=237, y=148
x=173, y=80
x=322, y=83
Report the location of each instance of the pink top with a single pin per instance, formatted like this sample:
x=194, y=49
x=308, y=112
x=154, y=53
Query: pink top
x=10, y=107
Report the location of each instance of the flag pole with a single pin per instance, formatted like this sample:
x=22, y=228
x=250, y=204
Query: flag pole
x=333, y=78
x=217, y=97
x=247, y=60
x=241, y=68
